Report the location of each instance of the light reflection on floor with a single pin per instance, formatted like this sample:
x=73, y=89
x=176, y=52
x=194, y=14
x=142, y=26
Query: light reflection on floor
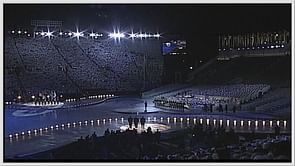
x=153, y=126
x=32, y=134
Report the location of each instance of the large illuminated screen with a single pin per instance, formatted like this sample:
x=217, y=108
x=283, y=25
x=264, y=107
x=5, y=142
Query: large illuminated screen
x=173, y=47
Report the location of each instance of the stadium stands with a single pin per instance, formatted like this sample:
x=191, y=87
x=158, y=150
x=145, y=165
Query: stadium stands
x=71, y=66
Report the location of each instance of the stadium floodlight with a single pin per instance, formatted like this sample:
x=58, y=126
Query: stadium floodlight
x=282, y=46
x=29, y=35
x=19, y=32
x=42, y=33
x=12, y=31
x=60, y=33
x=48, y=34
x=141, y=35
x=132, y=35
x=92, y=34
x=25, y=32
x=272, y=46
x=70, y=33
x=116, y=35
x=157, y=35
x=77, y=34
x=36, y=33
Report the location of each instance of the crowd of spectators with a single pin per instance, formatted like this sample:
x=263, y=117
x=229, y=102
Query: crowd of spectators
x=70, y=66
x=210, y=98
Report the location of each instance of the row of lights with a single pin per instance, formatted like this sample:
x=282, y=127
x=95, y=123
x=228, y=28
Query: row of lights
x=92, y=97
x=63, y=125
x=35, y=131
x=19, y=32
x=253, y=48
x=201, y=121
x=101, y=96
x=115, y=35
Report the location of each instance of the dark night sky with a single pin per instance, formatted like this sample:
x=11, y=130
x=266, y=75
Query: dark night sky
x=200, y=24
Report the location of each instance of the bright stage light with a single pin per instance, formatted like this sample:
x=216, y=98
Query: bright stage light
x=70, y=34
x=12, y=31
x=42, y=33
x=60, y=33
x=19, y=32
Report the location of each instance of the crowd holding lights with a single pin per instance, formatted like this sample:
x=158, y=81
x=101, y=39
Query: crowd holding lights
x=77, y=34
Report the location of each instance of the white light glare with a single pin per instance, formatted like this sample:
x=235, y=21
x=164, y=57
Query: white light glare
x=157, y=35
x=78, y=34
x=92, y=34
x=48, y=34
x=116, y=35
x=132, y=35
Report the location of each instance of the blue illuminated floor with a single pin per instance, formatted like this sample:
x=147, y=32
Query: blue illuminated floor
x=108, y=116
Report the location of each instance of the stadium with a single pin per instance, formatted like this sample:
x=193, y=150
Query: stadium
x=103, y=90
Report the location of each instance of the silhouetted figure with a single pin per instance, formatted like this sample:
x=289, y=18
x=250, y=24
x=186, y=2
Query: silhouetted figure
x=226, y=108
x=234, y=109
x=220, y=108
x=130, y=122
x=93, y=136
x=107, y=132
x=211, y=107
x=149, y=131
x=277, y=130
x=205, y=107
x=136, y=121
x=142, y=121
x=145, y=106
x=157, y=136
